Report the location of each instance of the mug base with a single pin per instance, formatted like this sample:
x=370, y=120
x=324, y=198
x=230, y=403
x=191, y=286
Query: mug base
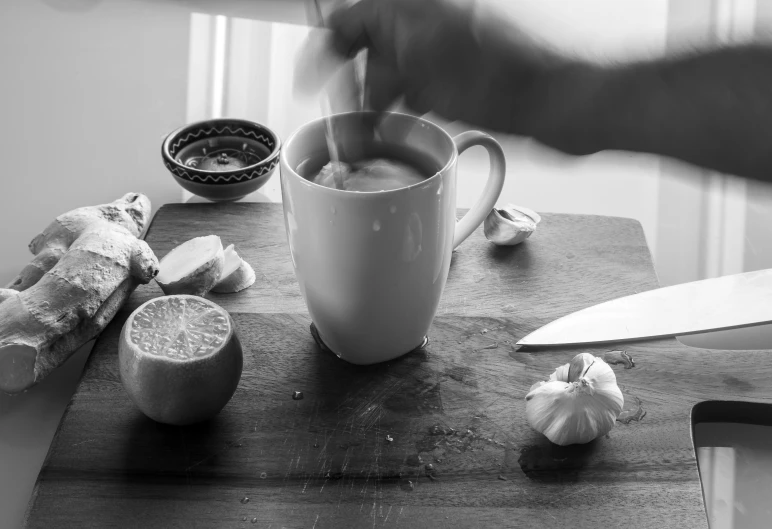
x=323, y=346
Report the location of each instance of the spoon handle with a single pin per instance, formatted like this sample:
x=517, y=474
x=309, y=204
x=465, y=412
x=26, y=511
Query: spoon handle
x=316, y=12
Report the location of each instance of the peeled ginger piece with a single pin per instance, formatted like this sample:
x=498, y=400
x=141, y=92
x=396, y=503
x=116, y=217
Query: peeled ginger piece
x=193, y=267
x=236, y=274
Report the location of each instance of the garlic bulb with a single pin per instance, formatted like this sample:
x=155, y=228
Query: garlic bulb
x=510, y=225
x=580, y=401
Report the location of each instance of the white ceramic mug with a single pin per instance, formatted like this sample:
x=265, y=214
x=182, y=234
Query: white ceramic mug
x=372, y=265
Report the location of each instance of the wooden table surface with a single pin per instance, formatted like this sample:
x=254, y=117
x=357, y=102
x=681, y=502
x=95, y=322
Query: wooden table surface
x=436, y=438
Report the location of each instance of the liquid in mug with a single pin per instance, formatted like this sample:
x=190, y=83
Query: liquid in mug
x=380, y=167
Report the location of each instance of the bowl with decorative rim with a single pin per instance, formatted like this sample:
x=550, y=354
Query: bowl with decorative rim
x=221, y=159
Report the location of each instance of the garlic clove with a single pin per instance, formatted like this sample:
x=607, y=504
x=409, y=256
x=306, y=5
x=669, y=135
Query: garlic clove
x=521, y=211
x=570, y=410
x=510, y=225
x=561, y=373
x=579, y=366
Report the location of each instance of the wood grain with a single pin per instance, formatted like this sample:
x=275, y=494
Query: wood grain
x=571, y=261
x=355, y=452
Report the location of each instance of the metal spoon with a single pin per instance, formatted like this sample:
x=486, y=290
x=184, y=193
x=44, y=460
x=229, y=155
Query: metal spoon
x=332, y=147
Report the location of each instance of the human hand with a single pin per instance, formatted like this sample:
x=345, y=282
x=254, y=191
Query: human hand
x=460, y=59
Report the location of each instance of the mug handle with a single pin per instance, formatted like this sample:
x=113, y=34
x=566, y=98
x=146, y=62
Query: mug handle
x=476, y=216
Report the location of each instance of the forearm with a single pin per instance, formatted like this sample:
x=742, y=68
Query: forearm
x=712, y=109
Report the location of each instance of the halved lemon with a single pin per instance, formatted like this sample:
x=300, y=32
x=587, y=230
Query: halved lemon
x=180, y=359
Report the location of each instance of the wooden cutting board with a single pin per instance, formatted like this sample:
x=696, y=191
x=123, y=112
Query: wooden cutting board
x=437, y=438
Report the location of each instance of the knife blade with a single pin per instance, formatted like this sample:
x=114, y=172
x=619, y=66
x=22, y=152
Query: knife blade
x=727, y=302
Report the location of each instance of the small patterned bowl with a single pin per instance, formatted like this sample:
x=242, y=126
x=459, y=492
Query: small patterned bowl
x=221, y=159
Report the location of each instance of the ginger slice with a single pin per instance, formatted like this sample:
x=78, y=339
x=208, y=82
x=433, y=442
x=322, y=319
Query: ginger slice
x=237, y=274
x=193, y=267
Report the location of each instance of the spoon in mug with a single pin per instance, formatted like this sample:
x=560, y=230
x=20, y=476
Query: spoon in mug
x=315, y=11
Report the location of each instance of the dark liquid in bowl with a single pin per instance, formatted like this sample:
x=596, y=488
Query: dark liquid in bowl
x=224, y=153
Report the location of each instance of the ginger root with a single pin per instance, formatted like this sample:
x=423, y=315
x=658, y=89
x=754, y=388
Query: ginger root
x=87, y=263
x=132, y=211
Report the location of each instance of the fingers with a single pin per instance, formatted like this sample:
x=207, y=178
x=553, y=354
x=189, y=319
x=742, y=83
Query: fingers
x=325, y=60
x=352, y=27
x=418, y=101
x=382, y=85
x=327, y=50
x=343, y=90
x=315, y=63
x=384, y=88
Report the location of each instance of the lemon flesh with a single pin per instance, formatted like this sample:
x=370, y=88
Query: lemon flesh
x=180, y=359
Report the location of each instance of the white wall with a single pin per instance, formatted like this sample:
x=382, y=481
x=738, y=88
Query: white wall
x=86, y=98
